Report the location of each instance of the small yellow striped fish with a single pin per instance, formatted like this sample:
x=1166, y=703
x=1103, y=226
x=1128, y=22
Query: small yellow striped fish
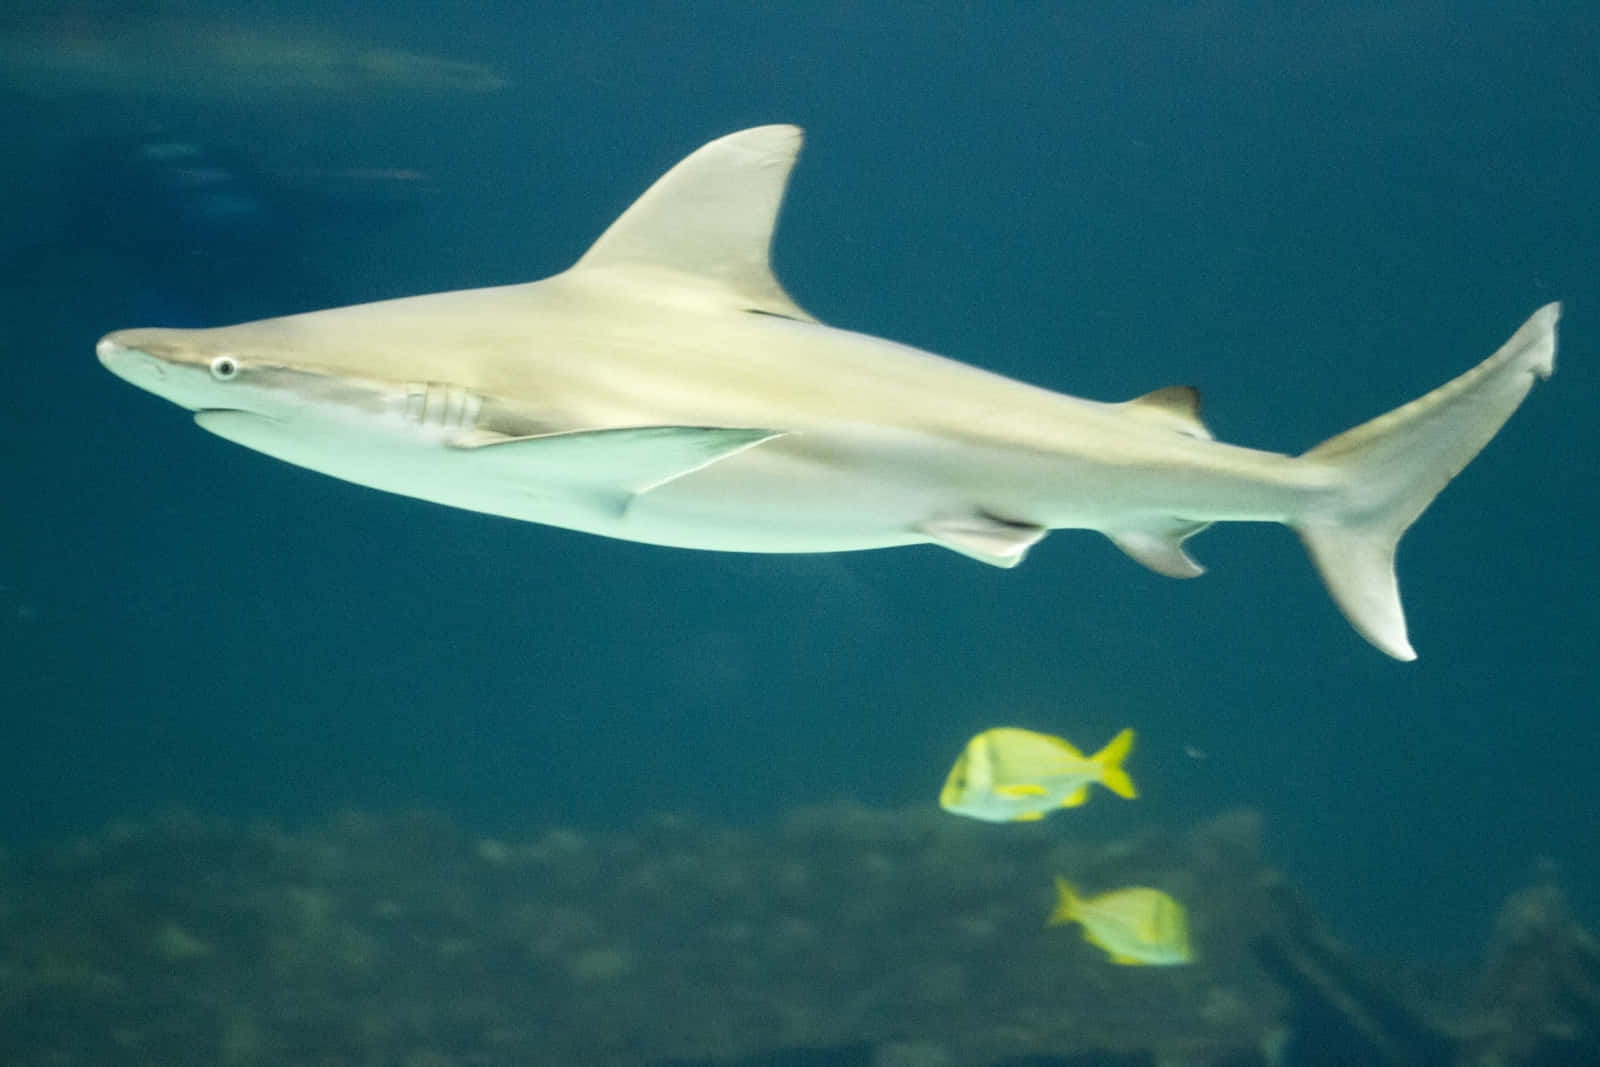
x=1137, y=926
x=1008, y=774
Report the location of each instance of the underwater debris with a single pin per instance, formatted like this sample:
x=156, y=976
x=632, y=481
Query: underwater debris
x=1340, y=1013
x=1538, y=999
x=840, y=936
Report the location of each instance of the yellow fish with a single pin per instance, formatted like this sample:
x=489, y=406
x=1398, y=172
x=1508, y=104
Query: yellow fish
x=1138, y=926
x=1008, y=774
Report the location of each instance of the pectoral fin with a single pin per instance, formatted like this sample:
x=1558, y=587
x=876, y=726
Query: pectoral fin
x=1021, y=791
x=614, y=465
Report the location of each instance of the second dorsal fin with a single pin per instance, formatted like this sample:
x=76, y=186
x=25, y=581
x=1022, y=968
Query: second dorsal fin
x=1176, y=407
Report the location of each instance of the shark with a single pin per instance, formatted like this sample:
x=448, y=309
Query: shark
x=666, y=389
x=103, y=51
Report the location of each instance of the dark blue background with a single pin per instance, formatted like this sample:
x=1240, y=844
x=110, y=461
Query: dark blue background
x=1312, y=215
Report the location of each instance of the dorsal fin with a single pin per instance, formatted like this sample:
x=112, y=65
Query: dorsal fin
x=707, y=223
x=1176, y=406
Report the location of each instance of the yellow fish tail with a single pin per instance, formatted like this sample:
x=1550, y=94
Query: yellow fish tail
x=1067, y=901
x=1110, y=758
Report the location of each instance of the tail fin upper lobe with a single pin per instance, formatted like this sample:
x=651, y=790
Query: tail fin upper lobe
x=1110, y=758
x=1394, y=465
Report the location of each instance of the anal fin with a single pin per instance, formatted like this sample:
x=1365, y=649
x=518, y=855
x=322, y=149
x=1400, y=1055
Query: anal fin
x=1159, y=546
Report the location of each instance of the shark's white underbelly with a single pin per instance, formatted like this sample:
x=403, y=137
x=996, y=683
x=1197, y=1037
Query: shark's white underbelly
x=778, y=501
x=808, y=492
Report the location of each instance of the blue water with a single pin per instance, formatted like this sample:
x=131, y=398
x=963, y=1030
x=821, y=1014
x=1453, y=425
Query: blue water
x=1312, y=215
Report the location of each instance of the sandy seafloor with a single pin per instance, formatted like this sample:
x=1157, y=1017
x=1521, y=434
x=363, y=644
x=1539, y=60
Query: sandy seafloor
x=1313, y=216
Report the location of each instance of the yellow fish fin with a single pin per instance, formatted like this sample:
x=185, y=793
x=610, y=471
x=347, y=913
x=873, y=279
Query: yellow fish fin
x=1126, y=961
x=1066, y=909
x=1172, y=927
x=1076, y=797
x=1109, y=760
x=1027, y=816
x=1017, y=792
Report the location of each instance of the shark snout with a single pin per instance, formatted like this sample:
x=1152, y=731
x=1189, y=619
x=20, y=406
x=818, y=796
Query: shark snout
x=109, y=351
x=128, y=362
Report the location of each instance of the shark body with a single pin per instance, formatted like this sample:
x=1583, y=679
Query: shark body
x=107, y=51
x=666, y=389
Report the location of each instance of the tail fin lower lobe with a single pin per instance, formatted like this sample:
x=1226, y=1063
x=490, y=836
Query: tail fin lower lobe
x=1110, y=758
x=1394, y=465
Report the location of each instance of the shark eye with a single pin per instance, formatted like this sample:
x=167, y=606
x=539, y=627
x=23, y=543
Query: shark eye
x=224, y=368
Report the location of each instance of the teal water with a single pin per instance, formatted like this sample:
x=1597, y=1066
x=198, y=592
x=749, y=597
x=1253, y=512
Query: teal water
x=1312, y=216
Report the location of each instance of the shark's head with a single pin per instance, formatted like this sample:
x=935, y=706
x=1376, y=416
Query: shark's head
x=220, y=370
x=192, y=368
x=249, y=393
x=249, y=385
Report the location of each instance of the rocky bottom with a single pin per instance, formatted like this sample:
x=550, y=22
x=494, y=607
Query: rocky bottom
x=839, y=936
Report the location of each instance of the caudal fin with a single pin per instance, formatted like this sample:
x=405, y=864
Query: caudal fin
x=1067, y=901
x=1392, y=467
x=1110, y=758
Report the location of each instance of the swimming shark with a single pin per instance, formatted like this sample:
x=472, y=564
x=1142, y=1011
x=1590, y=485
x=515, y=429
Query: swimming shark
x=666, y=389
